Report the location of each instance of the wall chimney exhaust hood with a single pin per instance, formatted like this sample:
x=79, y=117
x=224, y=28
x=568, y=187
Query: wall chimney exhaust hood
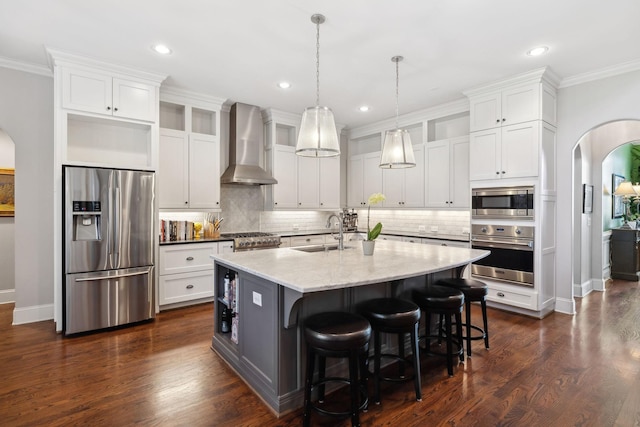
x=245, y=143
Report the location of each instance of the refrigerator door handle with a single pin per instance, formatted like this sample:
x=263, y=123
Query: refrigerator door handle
x=116, y=227
x=91, y=279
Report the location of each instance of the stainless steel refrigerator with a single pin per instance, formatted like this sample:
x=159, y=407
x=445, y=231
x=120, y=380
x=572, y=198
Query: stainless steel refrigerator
x=108, y=247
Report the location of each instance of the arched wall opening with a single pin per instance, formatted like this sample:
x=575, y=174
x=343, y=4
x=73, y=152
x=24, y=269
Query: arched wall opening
x=7, y=218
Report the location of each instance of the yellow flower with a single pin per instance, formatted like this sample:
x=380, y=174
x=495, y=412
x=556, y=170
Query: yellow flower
x=376, y=198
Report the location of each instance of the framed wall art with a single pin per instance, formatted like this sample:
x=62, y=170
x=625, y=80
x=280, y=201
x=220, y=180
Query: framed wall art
x=617, y=205
x=7, y=192
x=587, y=198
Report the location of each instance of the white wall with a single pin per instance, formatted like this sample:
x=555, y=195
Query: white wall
x=581, y=108
x=7, y=226
x=26, y=115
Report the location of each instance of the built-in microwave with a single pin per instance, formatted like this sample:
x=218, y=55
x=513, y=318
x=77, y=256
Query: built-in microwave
x=502, y=203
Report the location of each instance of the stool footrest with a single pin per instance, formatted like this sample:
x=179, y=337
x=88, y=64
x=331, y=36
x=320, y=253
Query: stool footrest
x=363, y=394
x=406, y=361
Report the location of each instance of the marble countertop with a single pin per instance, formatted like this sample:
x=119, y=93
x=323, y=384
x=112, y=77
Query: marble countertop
x=320, y=271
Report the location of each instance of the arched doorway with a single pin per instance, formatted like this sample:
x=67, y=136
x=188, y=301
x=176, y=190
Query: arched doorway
x=7, y=222
x=588, y=248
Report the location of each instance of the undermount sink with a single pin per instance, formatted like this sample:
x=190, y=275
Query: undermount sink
x=319, y=248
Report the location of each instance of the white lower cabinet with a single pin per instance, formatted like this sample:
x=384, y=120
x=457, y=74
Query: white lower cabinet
x=186, y=271
x=307, y=240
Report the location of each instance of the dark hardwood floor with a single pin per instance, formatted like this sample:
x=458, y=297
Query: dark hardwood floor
x=581, y=370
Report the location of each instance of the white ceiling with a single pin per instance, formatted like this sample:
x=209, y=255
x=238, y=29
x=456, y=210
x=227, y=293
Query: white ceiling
x=241, y=49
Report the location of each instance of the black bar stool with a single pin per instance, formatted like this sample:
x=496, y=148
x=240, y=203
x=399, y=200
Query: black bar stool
x=448, y=303
x=474, y=291
x=337, y=334
x=395, y=316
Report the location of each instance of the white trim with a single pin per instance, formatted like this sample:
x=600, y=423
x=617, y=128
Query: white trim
x=25, y=66
x=602, y=73
x=34, y=313
x=583, y=289
x=7, y=296
x=566, y=306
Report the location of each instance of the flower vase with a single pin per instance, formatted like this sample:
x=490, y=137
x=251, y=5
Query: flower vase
x=368, y=246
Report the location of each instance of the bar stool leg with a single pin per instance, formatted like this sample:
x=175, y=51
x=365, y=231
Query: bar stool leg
x=307, y=387
x=322, y=363
x=377, y=350
x=467, y=308
x=459, y=335
x=401, y=354
x=354, y=385
x=364, y=374
x=416, y=362
x=483, y=304
x=449, y=339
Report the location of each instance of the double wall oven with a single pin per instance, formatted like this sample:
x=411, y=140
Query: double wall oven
x=511, y=244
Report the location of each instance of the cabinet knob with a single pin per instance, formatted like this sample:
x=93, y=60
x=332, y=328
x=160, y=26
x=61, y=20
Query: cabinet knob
x=299, y=204
x=189, y=258
x=108, y=108
x=321, y=204
x=189, y=286
x=186, y=203
x=503, y=172
x=497, y=120
x=504, y=120
x=217, y=203
x=500, y=294
x=115, y=109
x=275, y=203
x=497, y=173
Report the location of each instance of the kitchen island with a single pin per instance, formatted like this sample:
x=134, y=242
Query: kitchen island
x=272, y=291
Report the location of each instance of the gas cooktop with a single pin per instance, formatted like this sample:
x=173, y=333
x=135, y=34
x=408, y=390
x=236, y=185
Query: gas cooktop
x=251, y=240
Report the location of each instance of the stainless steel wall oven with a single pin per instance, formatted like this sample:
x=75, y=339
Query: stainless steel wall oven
x=511, y=258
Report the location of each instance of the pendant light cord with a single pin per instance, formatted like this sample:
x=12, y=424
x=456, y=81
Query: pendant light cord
x=317, y=63
x=397, y=85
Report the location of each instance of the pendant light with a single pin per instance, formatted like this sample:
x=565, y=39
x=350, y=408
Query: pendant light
x=318, y=136
x=397, y=151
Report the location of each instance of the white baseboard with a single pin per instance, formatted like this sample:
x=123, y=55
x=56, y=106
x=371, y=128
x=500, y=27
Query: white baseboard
x=566, y=306
x=583, y=289
x=7, y=296
x=35, y=313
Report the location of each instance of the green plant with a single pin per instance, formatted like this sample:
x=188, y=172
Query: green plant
x=373, y=233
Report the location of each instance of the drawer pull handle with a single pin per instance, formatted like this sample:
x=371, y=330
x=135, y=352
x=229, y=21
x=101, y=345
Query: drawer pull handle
x=189, y=286
x=189, y=258
x=500, y=294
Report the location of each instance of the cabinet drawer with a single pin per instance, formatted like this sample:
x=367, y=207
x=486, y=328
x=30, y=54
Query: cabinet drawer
x=524, y=298
x=185, y=287
x=186, y=258
x=307, y=240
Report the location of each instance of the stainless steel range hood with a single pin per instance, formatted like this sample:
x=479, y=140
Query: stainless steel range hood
x=245, y=143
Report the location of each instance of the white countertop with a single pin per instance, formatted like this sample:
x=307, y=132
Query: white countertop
x=320, y=271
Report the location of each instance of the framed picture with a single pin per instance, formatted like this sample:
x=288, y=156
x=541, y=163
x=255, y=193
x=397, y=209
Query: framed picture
x=587, y=198
x=617, y=207
x=7, y=192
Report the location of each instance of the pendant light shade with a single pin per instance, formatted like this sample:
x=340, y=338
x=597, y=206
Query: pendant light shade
x=318, y=136
x=397, y=150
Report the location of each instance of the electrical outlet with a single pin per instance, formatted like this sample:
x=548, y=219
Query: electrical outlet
x=434, y=228
x=296, y=227
x=465, y=230
x=422, y=229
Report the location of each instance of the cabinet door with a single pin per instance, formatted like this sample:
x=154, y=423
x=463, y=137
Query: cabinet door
x=204, y=172
x=520, y=150
x=437, y=171
x=285, y=192
x=355, y=174
x=173, y=189
x=134, y=100
x=329, y=182
x=485, y=112
x=86, y=91
x=520, y=104
x=372, y=175
x=392, y=187
x=185, y=287
x=413, y=186
x=225, y=247
x=484, y=155
x=459, y=183
x=308, y=181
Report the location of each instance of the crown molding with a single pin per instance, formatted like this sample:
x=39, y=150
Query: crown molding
x=25, y=66
x=603, y=73
x=170, y=93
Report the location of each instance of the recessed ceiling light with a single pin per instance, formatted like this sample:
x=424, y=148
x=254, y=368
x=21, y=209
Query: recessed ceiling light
x=364, y=108
x=537, y=51
x=161, y=49
x=284, y=85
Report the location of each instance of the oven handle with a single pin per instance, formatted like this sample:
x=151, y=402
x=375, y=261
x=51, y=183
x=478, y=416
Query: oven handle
x=523, y=246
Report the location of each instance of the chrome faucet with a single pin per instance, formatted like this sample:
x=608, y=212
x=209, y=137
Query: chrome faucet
x=341, y=235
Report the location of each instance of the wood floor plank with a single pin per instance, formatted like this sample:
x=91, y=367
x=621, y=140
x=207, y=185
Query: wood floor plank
x=580, y=370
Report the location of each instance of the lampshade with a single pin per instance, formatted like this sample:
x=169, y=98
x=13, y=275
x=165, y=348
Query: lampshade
x=625, y=189
x=318, y=136
x=397, y=151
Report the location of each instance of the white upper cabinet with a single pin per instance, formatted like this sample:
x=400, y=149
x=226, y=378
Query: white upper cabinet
x=285, y=171
x=329, y=182
x=101, y=93
x=365, y=178
x=447, y=173
x=405, y=187
x=308, y=182
x=189, y=154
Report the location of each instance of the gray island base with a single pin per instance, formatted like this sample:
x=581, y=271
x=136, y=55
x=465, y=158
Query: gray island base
x=271, y=292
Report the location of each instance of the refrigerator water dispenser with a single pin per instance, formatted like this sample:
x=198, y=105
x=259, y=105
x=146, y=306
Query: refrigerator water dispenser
x=86, y=220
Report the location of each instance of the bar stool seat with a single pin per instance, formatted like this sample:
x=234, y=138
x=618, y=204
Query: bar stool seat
x=337, y=334
x=396, y=316
x=448, y=303
x=474, y=291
